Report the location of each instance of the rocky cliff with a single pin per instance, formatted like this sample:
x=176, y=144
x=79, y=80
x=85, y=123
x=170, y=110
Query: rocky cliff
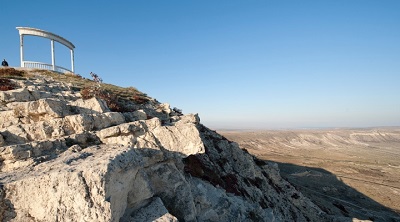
x=66, y=157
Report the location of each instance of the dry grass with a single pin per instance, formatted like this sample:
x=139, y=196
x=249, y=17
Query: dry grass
x=112, y=100
x=76, y=80
x=12, y=73
x=81, y=82
x=115, y=96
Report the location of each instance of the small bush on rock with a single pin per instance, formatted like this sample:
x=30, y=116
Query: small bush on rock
x=118, y=99
x=96, y=77
x=140, y=99
x=178, y=111
x=110, y=98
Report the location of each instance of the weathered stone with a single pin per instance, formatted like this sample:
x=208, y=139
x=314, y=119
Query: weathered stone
x=134, y=116
x=42, y=108
x=63, y=158
x=164, y=108
x=124, y=134
x=154, y=211
x=23, y=155
x=16, y=95
x=36, y=94
x=101, y=121
x=169, y=183
x=80, y=122
x=15, y=134
x=190, y=118
x=182, y=138
x=90, y=106
x=9, y=118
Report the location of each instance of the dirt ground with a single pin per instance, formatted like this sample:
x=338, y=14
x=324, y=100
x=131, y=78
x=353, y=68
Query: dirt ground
x=348, y=172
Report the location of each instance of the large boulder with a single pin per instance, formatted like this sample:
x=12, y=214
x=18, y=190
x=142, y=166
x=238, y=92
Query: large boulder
x=40, y=109
x=183, y=137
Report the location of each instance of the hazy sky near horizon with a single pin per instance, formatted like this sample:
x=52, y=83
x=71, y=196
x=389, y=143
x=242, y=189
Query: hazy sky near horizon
x=239, y=64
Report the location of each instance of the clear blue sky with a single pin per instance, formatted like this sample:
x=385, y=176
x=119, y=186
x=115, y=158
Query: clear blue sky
x=239, y=64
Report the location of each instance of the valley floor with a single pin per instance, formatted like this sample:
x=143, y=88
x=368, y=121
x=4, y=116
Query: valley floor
x=353, y=173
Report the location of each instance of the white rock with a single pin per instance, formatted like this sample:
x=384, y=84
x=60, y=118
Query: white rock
x=90, y=106
x=80, y=122
x=68, y=159
x=101, y=121
x=16, y=95
x=164, y=108
x=136, y=115
x=43, y=108
x=184, y=139
x=8, y=118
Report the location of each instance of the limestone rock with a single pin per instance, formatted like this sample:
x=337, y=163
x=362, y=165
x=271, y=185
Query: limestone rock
x=39, y=109
x=9, y=118
x=125, y=134
x=23, y=155
x=136, y=115
x=63, y=158
x=101, y=121
x=90, y=106
x=154, y=211
x=16, y=95
x=182, y=138
x=87, y=122
x=164, y=108
x=15, y=134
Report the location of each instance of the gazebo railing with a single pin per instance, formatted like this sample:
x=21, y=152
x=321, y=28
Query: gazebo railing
x=40, y=65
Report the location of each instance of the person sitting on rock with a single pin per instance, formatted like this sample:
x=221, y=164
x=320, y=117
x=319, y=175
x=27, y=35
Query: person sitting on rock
x=4, y=63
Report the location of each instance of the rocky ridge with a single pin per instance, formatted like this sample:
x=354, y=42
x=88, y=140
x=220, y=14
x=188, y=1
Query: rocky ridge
x=65, y=158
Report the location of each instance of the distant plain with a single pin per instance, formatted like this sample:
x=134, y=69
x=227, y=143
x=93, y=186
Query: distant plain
x=347, y=172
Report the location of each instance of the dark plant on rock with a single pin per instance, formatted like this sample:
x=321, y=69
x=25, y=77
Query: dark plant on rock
x=179, y=111
x=140, y=99
x=118, y=99
x=96, y=78
x=6, y=84
x=111, y=99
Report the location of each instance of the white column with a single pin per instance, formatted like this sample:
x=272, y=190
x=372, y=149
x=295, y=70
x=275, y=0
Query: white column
x=21, y=49
x=53, y=59
x=72, y=61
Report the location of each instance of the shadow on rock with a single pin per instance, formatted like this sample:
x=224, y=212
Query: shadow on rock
x=6, y=207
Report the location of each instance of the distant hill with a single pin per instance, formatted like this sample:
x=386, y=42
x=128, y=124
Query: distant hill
x=346, y=172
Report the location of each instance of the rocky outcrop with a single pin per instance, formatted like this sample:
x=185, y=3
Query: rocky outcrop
x=63, y=158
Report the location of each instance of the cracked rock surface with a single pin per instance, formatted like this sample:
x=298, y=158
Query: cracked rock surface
x=63, y=158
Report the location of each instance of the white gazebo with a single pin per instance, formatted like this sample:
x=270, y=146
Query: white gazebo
x=53, y=37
